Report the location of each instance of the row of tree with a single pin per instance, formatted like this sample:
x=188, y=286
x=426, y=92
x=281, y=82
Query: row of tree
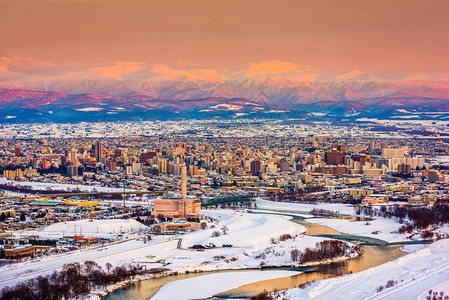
x=298, y=195
x=74, y=281
x=420, y=217
x=323, y=250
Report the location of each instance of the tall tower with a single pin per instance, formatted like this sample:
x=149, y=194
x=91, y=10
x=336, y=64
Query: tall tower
x=98, y=151
x=183, y=182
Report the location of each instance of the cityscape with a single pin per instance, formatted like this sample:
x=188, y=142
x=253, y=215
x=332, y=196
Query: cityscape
x=195, y=149
x=190, y=197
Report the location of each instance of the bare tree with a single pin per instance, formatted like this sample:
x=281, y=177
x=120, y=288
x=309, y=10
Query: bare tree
x=225, y=230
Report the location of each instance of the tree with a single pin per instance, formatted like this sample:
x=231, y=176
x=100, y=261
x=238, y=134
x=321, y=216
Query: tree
x=157, y=229
x=108, y=266
x=295, y=254
x=22, y=217
x=225, y=230
x=3, y=217
x=216, y=233
x=203, y=225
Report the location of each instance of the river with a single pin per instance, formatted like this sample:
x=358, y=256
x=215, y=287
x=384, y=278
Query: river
x=376, y=252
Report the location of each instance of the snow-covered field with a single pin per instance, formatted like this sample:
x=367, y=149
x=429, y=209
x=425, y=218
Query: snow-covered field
x=412, y=277
x=380, y=228
x=208, y=285
x=62, y=186
x=250, y=234
x=90, y=228
x=256, y=241
x=116, y=254
x=344, y=209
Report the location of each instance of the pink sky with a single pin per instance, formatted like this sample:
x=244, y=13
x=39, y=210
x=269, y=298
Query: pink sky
x=383, y=36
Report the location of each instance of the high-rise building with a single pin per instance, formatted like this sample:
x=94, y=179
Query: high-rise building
x=112, y=167
x=371, y=148
x=98, y=151
x=72, y=156
x=207, y=148
x=256, y=166
x=18, y=151
x=72, y=171
x=335, y=158
x=404, y=169
x=393, y=152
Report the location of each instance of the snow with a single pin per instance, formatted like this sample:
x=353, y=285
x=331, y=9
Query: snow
x=117, y=254
x=387, y=228
x=89, y=109
x=304, y=208
x=62, y=186
x=250, y=235
x=414, y=274
x=90, y=228
x=208, y=285
x=441, y=246
x=229, y=107
x=246, y=230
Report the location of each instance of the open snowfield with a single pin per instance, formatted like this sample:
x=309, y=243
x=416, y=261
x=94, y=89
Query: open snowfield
x=413, y=275
x=245, y=229
x=255, y=240
x=91, y=228
x=387, y=229
x=208, y=285
x=344, y=209
x=117, y=254
x=62, y=186
x=250, y=235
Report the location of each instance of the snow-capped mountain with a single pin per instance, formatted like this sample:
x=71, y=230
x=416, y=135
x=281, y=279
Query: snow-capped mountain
x=151, y=91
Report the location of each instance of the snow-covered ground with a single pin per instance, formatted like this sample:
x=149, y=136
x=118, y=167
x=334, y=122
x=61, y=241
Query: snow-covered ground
x=255, y=239
x=206, y=286
x=250, y=235
x=62, y=186
x=116, y=254
x=411, y=276
x=343, y=209
x=380, y=228
x=90, y=228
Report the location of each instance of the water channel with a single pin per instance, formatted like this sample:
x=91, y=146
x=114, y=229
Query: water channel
x=376, y=252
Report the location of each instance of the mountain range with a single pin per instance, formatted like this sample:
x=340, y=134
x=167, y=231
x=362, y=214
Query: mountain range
x=137, y=91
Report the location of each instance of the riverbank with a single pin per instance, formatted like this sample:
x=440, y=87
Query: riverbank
x=249, y=263
x=408, y=277
x=95, y=295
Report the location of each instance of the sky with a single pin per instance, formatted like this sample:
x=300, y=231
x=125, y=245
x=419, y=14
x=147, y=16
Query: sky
x=379, y=37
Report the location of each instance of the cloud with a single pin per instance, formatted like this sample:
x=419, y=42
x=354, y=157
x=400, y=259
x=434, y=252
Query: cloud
x=111, y=71
x=272, y=67
x=27, y=65
x=192, y=74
